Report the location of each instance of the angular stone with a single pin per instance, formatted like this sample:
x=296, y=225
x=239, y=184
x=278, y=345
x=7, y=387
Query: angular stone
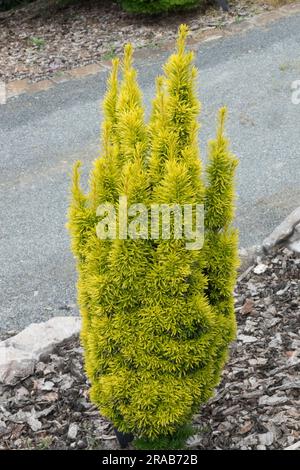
x=294, y=241
x=19, y=354
x=272, y=401
x=28, y=417
x=72, y=431
x=21, y=394
x=42, y=338
x=246, y=339
x=3, y=428
x=14, y=364
x=19, y=417
x=295, y=246
x=295, y=446
x=266, y=439
x=283, y=231
x=297, y=230
x=66, y=382
x=48, y=385
x=261, y=447
x=260, y=268
x=250, y=440
x=34, y=423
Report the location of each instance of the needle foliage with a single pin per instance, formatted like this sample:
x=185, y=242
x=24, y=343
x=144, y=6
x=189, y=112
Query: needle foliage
x=157, y=318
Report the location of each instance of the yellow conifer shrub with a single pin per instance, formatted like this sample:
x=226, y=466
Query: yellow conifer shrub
x=157, y=318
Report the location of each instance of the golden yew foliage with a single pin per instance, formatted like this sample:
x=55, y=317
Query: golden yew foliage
x=157, y=318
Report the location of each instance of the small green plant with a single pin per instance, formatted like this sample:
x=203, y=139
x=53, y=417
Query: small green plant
x=45, y=442
x=109, y=55
x=37, y=42
x=157, y=317
x=239, y=19
x=284, y=67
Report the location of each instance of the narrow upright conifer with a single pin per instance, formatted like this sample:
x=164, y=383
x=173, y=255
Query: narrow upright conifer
x=157, y=317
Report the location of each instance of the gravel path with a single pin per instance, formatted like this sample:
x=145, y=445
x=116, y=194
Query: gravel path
x=256, y=406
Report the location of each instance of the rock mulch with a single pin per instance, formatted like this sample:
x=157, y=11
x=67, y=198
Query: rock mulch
x=38, y=42
x=256, y=406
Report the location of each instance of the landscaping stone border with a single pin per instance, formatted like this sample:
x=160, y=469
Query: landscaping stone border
x=19, y=87
x=20, y=353
x=287, y=233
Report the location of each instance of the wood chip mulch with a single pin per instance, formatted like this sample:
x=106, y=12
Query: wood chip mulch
x=38, y=41
x=256, y=406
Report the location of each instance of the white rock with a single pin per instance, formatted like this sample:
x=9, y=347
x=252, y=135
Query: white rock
x=295, y=446
x=294, y=246
x=273, y=400
x=47, y=386
x=66, y=382
x=253, y=362
x=283, y=291
x=42, y=338
x=283, y=231
x=297, y=230
x=260, y=268
x=261, y=447
x=295, y=344
x=34, y=423
x=262, y=361
x=249, y=440
x=276, y=341
x=28, y=417
x=21, y=394
x=3, y=426
x=250, y=326
x=266, y=439
x=19, y=354
x=19, y=417
x=293, y=242
x=14, y=364
x=246, y=339
x=272, y=322
x=72, y=431
x=45, y=411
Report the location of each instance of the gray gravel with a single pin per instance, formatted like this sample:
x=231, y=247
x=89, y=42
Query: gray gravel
x=41, y=135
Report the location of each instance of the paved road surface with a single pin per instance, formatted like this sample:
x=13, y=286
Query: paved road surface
x=41, y=135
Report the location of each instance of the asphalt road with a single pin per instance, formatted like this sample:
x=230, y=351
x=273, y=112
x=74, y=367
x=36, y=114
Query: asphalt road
x=41, y=136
